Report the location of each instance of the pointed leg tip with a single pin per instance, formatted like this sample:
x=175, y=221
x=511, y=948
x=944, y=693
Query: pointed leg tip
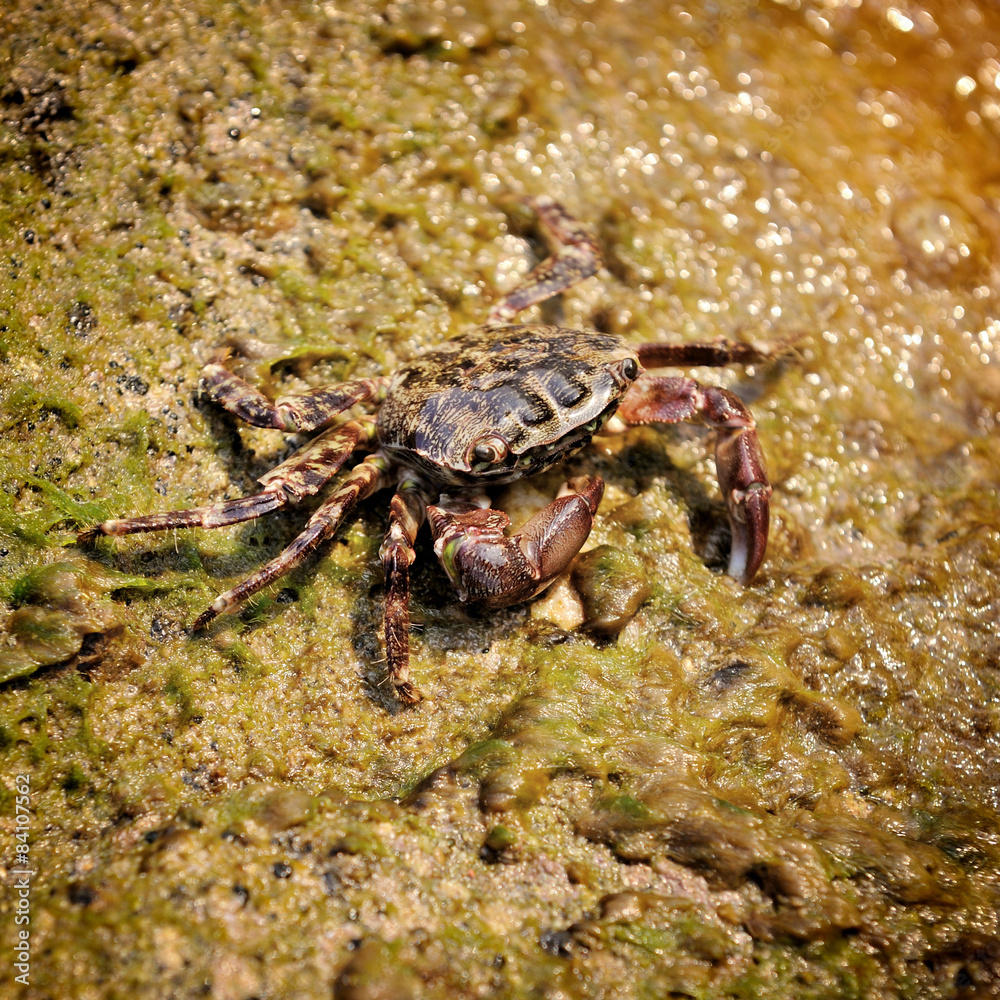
x=408, y=693
x=202, y=621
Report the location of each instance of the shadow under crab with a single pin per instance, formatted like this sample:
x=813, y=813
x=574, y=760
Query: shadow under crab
x=495, y=404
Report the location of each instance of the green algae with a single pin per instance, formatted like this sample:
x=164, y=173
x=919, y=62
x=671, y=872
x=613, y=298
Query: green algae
x=796, y=782
x=25, y=400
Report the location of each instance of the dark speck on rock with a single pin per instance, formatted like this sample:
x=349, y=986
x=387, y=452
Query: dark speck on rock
x=134, y=384
x=159, y=628
x=81, y=895
x=728, y=676
x=556, y=942
x=81, y=319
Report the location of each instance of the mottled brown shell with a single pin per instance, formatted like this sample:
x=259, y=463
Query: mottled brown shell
x=530, y=394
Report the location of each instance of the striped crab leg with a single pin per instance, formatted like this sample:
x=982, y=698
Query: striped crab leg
x=301, y=475
x=575, y=256
x=303, y=411
x=407, y=512
x=360, y=482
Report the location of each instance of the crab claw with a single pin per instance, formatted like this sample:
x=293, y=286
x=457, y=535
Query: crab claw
x=496, y=569
x=743, y=480
x=749, y=518
x=739, y=460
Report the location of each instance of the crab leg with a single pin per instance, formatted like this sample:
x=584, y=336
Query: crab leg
x=360, y=482
x=299, y=476
x=487, y=566
x=217, y=515
x=406, y=515
x=300, y=412
x=711, y=355
x=309, y=469
x=739, y=460
x=575, y=256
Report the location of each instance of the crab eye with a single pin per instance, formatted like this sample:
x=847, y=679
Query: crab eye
x=630, y=369
x=489, y=450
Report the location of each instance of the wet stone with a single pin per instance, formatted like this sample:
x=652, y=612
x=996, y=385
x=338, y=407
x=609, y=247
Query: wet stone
x=613, y=585
x=500, y=845
x=835, y=587
x=840, y=643
x=286, y=807
x=372, y=974
x=58, y=614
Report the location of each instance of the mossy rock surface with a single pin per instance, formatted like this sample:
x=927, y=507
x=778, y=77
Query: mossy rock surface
x=782, y=790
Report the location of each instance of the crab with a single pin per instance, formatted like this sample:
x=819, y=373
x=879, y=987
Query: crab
x=495, y=404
